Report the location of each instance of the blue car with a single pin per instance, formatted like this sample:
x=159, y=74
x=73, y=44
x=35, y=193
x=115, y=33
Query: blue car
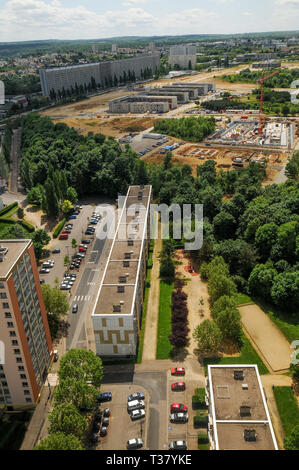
x=73, y=216
x=94, y=221
x=107, y=396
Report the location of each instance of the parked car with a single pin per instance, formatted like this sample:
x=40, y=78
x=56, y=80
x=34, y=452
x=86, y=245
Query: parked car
x=103, y=431
x=75, y=308
x=178, y=407
x=93, y=221
x=178, y=386
x=94, y=437
x=63, y=236
x=135, y=443
x=73, y=216
x=96, y=426
x=86, y=242
x=136, y=396
x=66, y=230
x=65, y=287
x=179, y=417
x=106, y=412
x=178, y=445
x=135, y=405
x=56, y=250
x=137, y=414
x=106, y=396
x=97, y=416
x=44, y=271
x=178, y=371
x=105, y=422
x=42, y=281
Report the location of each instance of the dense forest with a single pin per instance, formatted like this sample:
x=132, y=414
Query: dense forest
x=192, y=128
x=21, y=85
x=283, y=79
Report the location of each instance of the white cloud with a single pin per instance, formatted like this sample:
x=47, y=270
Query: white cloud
x=132, y=3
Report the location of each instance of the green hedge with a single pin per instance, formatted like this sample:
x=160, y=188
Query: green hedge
x=7, y=221
x=198, y=399
x=203, y=438
x=26, y=225
x=200, y=421
x=8, y=208
x=58, y=228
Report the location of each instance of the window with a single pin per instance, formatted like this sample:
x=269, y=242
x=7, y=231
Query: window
x=1, y=285
x=4, y=383
x=5, y=305
x=19, y=359
x=26, y=392
x=5, y=391
x=3, y=295
x=28, y=400
x=130, y=242
x=24, y=384
x=23, y=376
x=7, y=315
x=21, y=368
x=17, y=351
x=14, y=342
x=2, y=376
x=9, y=324
x=12, y=333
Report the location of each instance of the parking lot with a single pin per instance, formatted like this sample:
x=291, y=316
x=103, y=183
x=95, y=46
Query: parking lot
x=121, y=427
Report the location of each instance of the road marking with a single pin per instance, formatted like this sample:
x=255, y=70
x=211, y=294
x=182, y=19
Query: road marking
x=91, y=283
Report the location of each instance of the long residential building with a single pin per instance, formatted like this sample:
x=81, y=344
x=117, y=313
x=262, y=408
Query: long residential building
x=183, y=56
x=143, y=103
x=25, y=339
x=239, y=418
x=118, y=308
x=102, y=73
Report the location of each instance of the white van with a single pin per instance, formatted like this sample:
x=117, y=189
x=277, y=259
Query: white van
x=135, y=405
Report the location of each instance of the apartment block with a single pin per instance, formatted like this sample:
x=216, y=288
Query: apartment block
x=24, y=330
x=182, y=56
x=69, y=77
x=143, y=103
x=238, y=413
x=118, y=308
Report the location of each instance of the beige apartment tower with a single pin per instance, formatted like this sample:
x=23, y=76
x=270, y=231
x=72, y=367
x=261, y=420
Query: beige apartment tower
x=25, y=339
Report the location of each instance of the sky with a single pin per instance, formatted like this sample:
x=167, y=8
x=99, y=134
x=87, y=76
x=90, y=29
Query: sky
x=24, y=20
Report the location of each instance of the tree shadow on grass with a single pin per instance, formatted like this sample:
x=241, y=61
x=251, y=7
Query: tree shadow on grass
x=178, y=355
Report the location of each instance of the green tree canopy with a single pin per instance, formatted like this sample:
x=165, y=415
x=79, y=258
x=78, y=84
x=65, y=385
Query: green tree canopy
x=81, y=365
x=60, y=441
x=208, y=337
x=67, y=419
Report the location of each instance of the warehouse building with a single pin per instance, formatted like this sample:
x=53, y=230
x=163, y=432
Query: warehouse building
x=182, y=56
x=238, y=413
x=101, y=73
x=203, y=88
x=193, y=92
x=118, y=308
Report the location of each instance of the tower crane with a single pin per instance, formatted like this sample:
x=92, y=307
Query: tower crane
x=262, y=82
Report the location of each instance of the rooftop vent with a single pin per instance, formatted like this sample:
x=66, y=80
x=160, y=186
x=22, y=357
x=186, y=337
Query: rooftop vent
x=127, y=255
x=121, y=302
x=122, y=279
x=245, y=410
x=116, y=308
x=244, y=386
x=130, y=242
x=250, y=435
x=126, y=264
x=120, y=289
x=238, y=374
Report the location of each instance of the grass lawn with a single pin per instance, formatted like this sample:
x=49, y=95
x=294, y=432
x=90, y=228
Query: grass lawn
x=10, y=213
x=164, y=323
x=248, y=355
x=287, y=407
x=5, y=228
x=242, y=298
x=286, y=322
x=143, y=320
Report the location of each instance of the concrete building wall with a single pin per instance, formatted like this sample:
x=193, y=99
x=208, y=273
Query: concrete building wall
x=182, y=96
x=193, y=92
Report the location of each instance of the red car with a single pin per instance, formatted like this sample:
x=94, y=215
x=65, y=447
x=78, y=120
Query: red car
x=178, y=386
x=178, y=408
x=66, y=230
x=178, y=371
x=82, y=249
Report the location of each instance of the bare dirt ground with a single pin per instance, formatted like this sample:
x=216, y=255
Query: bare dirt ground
x=266, y=336
x=198, y=298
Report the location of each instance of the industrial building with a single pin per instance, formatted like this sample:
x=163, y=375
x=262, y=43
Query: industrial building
x=238, y=413
x=182, y=56
x=143, y=103
x=117, y=311
x=24, y=330
x=70, y=77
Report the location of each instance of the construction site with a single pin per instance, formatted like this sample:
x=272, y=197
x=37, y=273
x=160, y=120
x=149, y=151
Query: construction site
x=240, y=132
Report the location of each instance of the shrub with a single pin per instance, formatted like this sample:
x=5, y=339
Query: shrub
x=203, y=438
x=200, y=421
x=198, y=399
x=58, y=228
x=26, y=225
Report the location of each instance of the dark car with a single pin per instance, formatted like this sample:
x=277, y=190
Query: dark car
x=97, y=416
x=103, y=431
x=106, y=413
x=88, y=232
x=56, y=250
x=94, y=437
x=86, y=242
x=106, y=396
x=96, y=426
x=136, y=396
x=75, y=308
x=105, y=422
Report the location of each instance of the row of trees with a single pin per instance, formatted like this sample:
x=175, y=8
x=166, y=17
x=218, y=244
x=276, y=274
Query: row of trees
x=179, y=316
x=57, y=307
x=191, y=128
x=80, y=374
